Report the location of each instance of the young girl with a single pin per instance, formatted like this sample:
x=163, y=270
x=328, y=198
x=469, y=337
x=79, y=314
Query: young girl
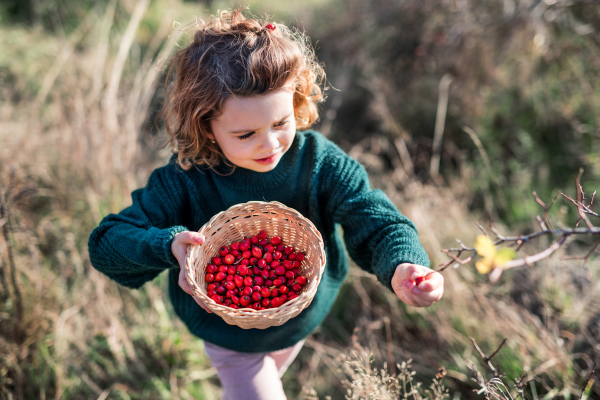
x=243, y=90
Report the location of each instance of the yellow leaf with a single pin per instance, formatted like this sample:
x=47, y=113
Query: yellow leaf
x=483, y=266
x=485, y=248
x=503, y=256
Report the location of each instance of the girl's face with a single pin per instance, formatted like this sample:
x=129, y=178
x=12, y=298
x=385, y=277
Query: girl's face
x=254, y=132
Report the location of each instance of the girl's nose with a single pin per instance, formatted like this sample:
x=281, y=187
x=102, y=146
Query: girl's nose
x=271, y=141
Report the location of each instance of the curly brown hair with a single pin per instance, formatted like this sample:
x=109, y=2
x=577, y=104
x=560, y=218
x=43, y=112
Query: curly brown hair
x=233, y=55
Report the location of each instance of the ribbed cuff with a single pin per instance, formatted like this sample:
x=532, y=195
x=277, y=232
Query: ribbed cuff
x=163, y=239
x=385, y=274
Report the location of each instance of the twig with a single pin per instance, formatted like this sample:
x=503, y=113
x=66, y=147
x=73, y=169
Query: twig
x=488, y=359
x=587, y=382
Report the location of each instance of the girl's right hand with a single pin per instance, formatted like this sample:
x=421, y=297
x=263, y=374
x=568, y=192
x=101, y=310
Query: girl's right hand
x=179, y=248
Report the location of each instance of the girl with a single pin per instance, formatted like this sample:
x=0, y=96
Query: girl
x=243, y=90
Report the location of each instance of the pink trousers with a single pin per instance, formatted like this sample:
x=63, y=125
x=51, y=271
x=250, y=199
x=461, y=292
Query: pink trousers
x=251, y=376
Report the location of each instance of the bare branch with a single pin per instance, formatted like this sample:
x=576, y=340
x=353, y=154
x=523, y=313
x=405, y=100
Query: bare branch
x=529, y=260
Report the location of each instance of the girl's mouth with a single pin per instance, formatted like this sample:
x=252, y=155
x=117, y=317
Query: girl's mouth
x=266, y=160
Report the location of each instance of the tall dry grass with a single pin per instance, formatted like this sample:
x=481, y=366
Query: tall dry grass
x=73, y=125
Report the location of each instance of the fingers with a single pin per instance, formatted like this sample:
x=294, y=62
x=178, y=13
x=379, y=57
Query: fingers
x=184, y=285
x=190, y=238
x=180, y=243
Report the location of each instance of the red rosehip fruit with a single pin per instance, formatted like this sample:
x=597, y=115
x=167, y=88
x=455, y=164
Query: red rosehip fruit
x=280, y=248
x=301, y=280
x=277, y=282
x=229, y=259
x=209, y=278
x=229, y=293
x=280, y=270
x=289, y=275
x=211, y=293
x=266, y=303
x=283, y=297
x=276, y=255
x=216, y=260
x=263, y=242
x=296, y=288
x=274, y=292
x=244, y=246
x=261, y=263
x=211, y=268
x=248, y=281
x=231, y=270
x=262, y=235
x=419, y=280
x=276, y=302
x=229, y=278
x=245, y=262
x=235, y=246
x=223, y=251
x=283, y=289
x=217, y=299
x=245, y=300
x=238, y=280
x=247, y=291
x=211, y=286
x=300, y=256
x=247, y=254
x=254, y=240
x=242, y=270
x=256, y=306
x=229, y=285
x=257, y=252
x=220, y=276
x=275, y=240
x=256, y=296
x=269, y=248
x=258, y=280
x=235, y=299
x=292, y=296
x=221, y=289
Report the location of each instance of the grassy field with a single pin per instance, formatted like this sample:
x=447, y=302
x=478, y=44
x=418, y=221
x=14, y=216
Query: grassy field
x=79, y=90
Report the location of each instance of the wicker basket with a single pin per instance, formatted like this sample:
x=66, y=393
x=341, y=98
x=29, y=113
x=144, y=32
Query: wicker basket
x=245, y=220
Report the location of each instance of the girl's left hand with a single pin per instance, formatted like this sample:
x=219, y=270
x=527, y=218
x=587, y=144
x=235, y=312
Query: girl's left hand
x=425, y=293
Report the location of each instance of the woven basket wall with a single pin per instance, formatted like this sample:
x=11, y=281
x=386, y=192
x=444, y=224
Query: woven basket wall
x=246, y=220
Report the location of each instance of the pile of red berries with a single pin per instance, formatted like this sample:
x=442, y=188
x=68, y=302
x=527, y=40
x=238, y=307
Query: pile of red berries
x=255, y=273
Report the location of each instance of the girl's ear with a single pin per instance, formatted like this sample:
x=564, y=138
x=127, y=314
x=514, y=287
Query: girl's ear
x=210, y=136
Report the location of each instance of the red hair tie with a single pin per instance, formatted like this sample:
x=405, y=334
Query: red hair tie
x=270, y=27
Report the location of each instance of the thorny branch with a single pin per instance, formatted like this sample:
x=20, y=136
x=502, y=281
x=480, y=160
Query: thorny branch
x=546, y=229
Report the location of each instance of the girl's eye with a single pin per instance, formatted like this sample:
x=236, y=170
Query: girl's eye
x=280, y=124
x=246, y=136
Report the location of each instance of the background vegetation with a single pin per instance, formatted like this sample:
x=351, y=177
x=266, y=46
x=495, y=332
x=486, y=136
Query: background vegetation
x=79, y=89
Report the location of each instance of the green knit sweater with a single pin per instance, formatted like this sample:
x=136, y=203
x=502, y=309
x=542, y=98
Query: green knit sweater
x=315, y=177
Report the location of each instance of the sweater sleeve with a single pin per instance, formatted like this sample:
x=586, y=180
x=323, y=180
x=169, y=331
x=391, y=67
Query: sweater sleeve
x=134, y=246
x=377, y=236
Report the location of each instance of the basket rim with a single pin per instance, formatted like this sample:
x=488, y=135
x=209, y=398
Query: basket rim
x=245, y=313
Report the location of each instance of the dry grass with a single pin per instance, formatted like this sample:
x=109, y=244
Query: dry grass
x=72, y=123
